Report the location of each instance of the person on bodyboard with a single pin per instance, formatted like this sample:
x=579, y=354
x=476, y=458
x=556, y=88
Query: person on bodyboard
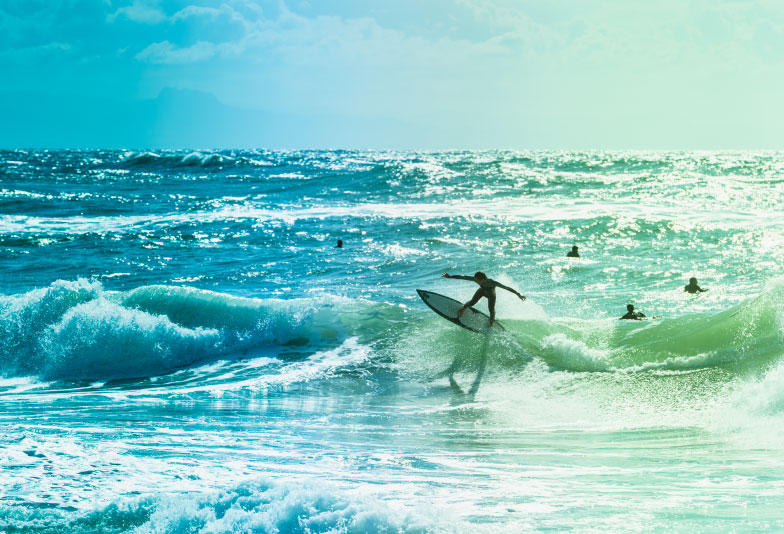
x=486, y=289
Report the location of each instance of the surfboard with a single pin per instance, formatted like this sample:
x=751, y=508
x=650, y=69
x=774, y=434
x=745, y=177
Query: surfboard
x=472, y=319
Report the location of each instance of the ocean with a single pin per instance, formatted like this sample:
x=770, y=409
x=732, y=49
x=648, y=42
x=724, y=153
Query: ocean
x=184, y=349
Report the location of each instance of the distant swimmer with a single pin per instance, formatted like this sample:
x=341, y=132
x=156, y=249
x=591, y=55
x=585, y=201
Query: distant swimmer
x=486, y=289
x=340, y=244
x=632, y=315
x=573, y=253
x=692, y=287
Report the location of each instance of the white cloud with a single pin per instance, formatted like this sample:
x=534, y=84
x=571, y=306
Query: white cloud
x=167, y=53
x=144, y=12
x=207, y=12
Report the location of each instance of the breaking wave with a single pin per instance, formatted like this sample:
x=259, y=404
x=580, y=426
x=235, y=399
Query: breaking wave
x=76, y=330
x=260, y=506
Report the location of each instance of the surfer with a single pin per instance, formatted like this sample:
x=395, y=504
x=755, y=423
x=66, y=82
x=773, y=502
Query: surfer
x=573, y=253
x=340, y=244
x=692, y=287
x=486, y=289
x=632, y=315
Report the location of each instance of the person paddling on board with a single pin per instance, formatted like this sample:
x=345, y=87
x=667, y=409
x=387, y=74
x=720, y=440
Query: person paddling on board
x=486, y=289
x=632, y=315
x=693, y=287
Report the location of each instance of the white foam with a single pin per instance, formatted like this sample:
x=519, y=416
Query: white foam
x=508, y=210
x=575, y=355
x=75, y=330
x=305, y=507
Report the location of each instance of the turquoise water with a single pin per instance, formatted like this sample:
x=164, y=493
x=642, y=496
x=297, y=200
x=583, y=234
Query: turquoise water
x=183, y=349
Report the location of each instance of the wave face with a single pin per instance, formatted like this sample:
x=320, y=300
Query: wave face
x=749, y=334
x=76, y=330
x=183, y=348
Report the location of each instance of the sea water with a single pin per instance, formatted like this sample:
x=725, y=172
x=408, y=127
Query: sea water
x=184, y=349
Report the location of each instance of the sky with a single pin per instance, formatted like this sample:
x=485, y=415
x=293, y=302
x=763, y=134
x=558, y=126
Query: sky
x=392, y=74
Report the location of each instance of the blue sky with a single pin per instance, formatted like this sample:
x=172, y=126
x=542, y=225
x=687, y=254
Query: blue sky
x=392, y=74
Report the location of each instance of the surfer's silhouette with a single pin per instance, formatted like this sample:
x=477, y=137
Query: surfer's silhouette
x=486, y=289
x=573, y=253
x=692, y=287
x=632, y=315
x=340, y=244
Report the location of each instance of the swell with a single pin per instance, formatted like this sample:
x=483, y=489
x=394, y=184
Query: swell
x=76, y=330
x=744, y=337
x=192, y=159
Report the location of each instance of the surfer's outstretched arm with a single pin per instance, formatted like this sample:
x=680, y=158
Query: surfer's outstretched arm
x=513, y=291
x=457, y=276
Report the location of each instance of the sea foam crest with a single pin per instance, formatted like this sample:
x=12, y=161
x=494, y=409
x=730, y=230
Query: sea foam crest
x=25, y=318
x=765, y=396
x=574, y=355
x=270, y=507
x=257, y=506
x=102, y=339
x=77, y=330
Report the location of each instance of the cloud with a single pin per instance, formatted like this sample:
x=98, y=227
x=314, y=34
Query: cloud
x=446, y=62
x=141, y=11
x=297, y=40
x=167, y=53
x=194, y=12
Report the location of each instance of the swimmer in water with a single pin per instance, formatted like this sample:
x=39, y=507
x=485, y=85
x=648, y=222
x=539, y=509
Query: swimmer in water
x=486, y=289
x=692, y=287
x=632, y=315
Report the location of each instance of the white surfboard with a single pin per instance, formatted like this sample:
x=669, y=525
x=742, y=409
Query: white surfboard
x=472, y=319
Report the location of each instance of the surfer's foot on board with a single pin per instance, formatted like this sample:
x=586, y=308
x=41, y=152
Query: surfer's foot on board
x=460, y=312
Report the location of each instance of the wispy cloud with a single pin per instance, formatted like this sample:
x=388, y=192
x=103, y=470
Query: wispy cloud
x=144, y=12
x=166, y=53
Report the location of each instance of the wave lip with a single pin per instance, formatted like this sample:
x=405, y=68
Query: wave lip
x=76, y=330
x=141, y=158
x=101, y=339
x=25, y=319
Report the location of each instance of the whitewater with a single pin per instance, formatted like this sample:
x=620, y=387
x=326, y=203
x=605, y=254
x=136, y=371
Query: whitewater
x=183, y=348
